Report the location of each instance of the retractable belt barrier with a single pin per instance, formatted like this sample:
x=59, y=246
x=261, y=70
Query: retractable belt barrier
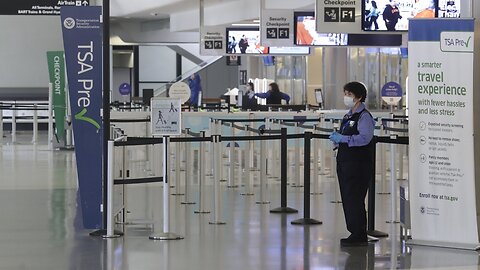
x=283, y=137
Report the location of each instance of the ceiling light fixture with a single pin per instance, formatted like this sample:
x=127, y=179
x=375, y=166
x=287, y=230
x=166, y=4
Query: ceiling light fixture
x=245, y=24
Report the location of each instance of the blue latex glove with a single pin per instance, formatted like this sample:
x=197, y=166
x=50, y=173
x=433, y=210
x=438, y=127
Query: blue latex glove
x=336, y=137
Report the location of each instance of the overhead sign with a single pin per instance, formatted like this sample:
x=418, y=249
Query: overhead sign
x=276, y=28
x=213, y=41
x=166, y=116
x=56, y=71
x=442, y=132
x=392, y=93
x=125, y=89
x=339, y=16
x=82, y=38
x=180, y=90
x=37, y=7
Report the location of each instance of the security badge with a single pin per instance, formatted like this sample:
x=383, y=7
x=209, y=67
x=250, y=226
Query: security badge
x=351, y=123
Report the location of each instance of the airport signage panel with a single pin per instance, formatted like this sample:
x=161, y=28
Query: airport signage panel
x=38, y=7
x=339, y=16
x=166, y=116
x=82, y=38
x=276, y=28
x=441, y=129
x=56, y=71
x=213, y=41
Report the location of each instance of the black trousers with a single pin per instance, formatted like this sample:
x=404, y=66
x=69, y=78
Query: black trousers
x=354, y=177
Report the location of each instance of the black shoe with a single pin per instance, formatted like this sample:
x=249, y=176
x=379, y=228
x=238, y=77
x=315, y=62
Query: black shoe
x=353, y=241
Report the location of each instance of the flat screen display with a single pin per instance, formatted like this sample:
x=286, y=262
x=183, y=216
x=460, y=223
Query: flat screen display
x=306, y=35
x=244, y=41
x=393, y=15
x=448, y=8
x=247, y=41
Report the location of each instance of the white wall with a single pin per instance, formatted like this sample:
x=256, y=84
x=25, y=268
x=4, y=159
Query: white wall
x=157, y=63
x=24, y=41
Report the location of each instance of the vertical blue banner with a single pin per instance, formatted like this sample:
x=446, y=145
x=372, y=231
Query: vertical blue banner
x=82, y=38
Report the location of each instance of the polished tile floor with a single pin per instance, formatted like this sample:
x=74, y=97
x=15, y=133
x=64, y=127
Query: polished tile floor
x=40, y=228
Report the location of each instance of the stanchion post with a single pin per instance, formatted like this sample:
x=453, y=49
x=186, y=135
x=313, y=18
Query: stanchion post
x=263, y=173
x=383, y=166
x=177, y=170
x=14, y=124
x=283, y=176
x=316, y=184
x=1, y=127
x=231, y=157
x=248, y=167
x=393, y=183
x=166, y=234
x=306, y=220
x=35, y=124
x=188, y=169
x=110, y=178
x=371, y=199
x=217, y=166
x=201, y=181
x=297, y=159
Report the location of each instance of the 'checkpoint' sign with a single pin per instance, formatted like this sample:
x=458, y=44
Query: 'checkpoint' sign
x=166, y=116
x=335, y=16
x=276, y=28
x=212, y=40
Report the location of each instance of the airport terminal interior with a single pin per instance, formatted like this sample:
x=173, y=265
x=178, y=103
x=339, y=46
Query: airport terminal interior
x=149, y=134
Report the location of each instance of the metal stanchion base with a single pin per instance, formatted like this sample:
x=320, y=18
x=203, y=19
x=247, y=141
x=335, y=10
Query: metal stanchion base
x=316, y=193
x=166, y=236
x=336, y=202
x=265, y=202
x=223, y=180
x=201, y=212
x=383, y=193
x=392, y=221
x=372, y=239
x=111, y=236
x=295, y=186
x=247, y=194
x=177, y=194
x=234, y=186
x=217, y=223
x=283, y=210
x=187, y=202
x=306, y=221
x=104, y=232
x=376, y=233
x=402, y=179
x=172, y=186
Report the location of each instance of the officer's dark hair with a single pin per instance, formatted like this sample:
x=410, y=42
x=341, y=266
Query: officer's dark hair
x=275, y=87
x=251, y=85
x=358, y=89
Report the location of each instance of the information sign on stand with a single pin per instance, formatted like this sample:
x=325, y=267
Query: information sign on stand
x=339, y=16
x=443, y=128
x=180, y=90
x=392, y=93
x=166, y=116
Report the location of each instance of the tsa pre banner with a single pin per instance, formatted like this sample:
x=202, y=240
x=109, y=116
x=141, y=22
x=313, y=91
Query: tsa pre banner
x=82, y=39
x=56, y=71
x=441, y=128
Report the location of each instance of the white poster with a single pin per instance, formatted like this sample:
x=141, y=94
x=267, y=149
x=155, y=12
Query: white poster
x=442, y=172
x=212, y=41
x=166, y=116
x=339, y=16
x=276, y=28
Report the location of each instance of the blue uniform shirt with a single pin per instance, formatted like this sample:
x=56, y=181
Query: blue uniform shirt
x=366, y=127
x=267, y=95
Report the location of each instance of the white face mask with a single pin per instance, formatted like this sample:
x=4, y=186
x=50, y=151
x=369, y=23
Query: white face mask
x=348, y=101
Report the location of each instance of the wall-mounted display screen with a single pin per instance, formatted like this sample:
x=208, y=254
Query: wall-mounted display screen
x=393, y=15
x=246, y=40
x=306, y=35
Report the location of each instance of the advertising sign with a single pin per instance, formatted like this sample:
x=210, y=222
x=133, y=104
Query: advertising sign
x=165, y=116
x=37, y=7
x=339, y=16
x=441, y=131
x=82, y=39
x=212, y=41
x=392, y=93
x=125, y=89
x=56, y=71
x=276, y=28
